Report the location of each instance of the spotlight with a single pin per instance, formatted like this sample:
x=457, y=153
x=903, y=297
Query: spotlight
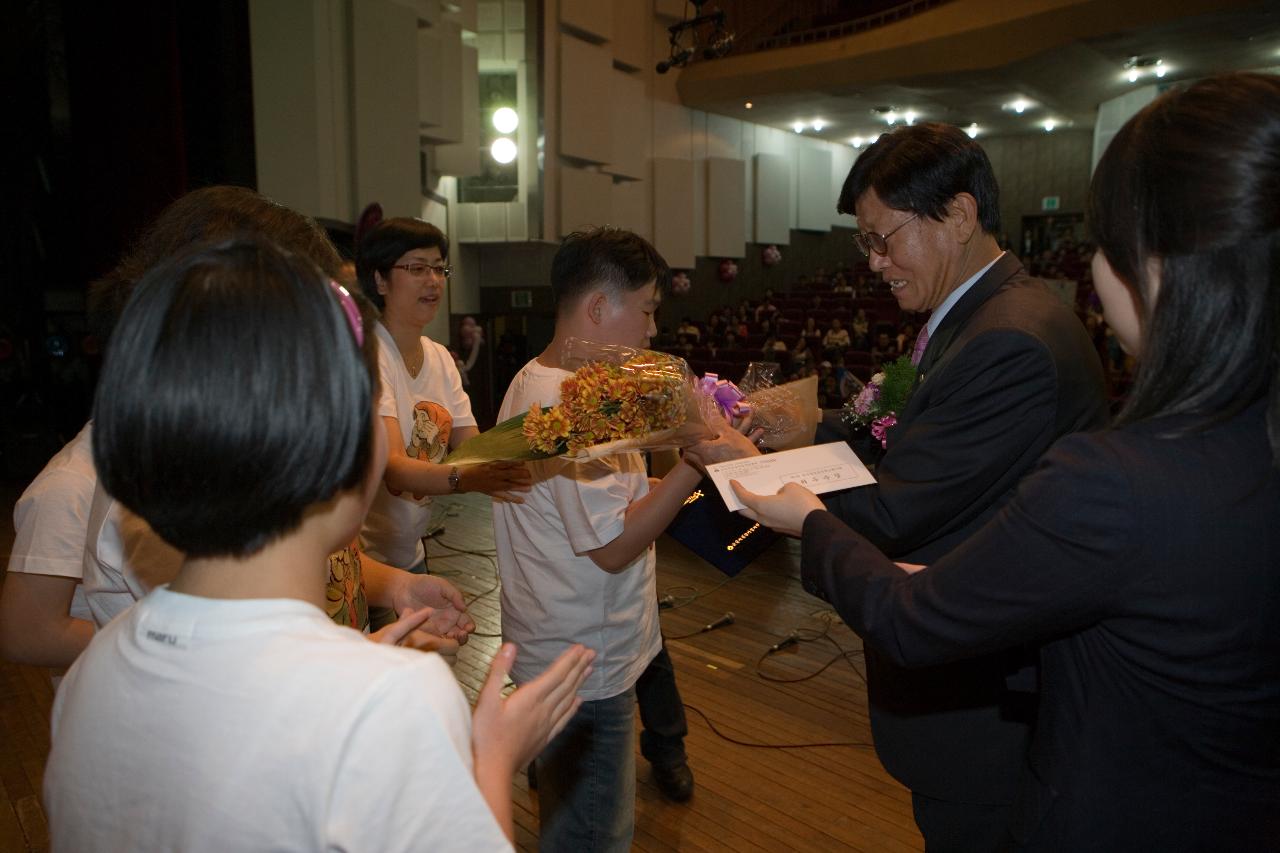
x=505, y=120
x=972, y=130
x=910, y=117
x=798, y=126
x=503, y=150
x=678, y=59
x=857, y=141
x=818, y=125
x=1049, y=125
x=748, y=105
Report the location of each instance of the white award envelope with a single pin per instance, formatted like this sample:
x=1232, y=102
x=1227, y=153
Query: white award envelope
x=820, y=468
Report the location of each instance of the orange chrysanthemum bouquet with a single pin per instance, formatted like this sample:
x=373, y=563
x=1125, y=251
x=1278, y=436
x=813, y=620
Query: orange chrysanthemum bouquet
x=616, y=399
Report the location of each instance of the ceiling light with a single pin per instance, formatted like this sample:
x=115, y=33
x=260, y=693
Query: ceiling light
x=798, y=126
x=503, y=150
x=1133, y=75
x=891, y=117
x=748, y=105
x=1049, y=125
x=1019, y=106
x=972, y=130
x=505, y=120
x=857, y=141
x=1161, y=70
x=818, y=124
x=910, y=117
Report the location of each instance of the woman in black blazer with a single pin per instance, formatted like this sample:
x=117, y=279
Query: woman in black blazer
x=1146, y=557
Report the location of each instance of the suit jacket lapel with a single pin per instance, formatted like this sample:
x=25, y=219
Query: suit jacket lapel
x=982, y=290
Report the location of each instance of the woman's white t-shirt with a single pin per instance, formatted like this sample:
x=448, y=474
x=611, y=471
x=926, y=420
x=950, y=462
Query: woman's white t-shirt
x=429, y=407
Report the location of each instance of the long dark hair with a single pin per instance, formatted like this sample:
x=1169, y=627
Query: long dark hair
x=1194, y=181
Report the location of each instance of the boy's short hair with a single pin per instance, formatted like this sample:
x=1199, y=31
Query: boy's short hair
x=386, y=243
x=611, y=258
x=233, y=397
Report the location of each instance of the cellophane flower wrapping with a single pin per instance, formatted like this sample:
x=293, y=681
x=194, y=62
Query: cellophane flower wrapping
x=617, y=399
x=788, y=413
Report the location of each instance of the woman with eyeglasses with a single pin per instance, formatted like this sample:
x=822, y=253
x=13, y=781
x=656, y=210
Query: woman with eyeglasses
x=403, y=266
x=1146, y=557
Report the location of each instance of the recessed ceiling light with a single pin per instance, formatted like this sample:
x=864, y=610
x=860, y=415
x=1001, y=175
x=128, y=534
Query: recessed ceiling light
x=1049, y=125
x=748, y=105
x=797, y=126
x=857, y=141
x=972, y=130
x=891, y=117
x=910, y=117
x=819, y=124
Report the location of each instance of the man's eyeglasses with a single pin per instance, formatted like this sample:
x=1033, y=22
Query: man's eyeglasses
x=869, y=241
x=421, y=270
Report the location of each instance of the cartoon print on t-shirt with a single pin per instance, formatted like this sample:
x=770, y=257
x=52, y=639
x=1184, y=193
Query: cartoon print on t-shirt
x=432, y=426
x=429, y=441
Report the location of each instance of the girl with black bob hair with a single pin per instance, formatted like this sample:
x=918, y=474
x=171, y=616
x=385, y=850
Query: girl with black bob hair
x=228, y=690
x=1146, y=557
x=222, y=464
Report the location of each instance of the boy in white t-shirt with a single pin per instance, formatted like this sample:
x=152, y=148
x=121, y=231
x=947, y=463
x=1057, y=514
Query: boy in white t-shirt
x=577, y=558
x=225, y=711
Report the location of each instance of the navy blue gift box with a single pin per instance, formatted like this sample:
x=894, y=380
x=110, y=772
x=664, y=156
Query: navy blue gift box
x=723, y=538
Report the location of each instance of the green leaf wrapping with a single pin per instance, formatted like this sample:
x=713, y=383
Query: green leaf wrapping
x=505, y=442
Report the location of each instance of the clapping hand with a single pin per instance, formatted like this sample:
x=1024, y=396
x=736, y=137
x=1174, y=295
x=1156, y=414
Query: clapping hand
x=449, y=617
x=513, y=730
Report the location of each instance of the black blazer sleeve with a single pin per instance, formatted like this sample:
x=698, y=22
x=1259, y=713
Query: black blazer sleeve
x=1056, y=559
x=986, y=419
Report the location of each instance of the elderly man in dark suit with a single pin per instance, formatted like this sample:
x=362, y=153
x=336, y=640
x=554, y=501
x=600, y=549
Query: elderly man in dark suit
x=1004, y=369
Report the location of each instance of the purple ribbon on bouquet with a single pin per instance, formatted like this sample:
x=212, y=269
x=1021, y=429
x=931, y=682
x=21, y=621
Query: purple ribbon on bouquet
x=725, y=394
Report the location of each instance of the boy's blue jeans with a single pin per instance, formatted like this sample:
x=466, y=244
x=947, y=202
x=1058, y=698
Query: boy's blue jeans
x=587, y=780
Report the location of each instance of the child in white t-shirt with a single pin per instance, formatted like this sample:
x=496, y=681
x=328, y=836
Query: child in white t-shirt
x=44, y=619
x=225, y=711
x=577, y=558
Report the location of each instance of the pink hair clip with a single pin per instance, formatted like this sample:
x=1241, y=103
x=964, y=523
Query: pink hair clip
x=349, y=308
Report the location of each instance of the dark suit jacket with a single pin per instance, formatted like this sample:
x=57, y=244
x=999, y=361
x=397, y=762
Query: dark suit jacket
x=1148, y=560
x=1009, y=370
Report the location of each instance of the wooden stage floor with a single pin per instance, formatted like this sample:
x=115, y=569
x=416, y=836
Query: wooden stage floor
x=749, y=798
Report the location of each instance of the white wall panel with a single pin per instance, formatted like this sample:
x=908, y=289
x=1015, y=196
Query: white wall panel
x=631, y=125
x=385, y=121
x=586, y=73
x=772, y=201
x=673, y=231
x=463, y=158
x=493, y=222
x=631, y=205
x=590, y=16
x=631, y=20
x=815, y=196
x=440, y=108
x=672, y=131
x=724, y=137
x=842, y=160
x=726, y=196
x=586, y=199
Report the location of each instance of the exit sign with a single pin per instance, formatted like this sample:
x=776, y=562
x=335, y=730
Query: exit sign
x=1049, y=202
